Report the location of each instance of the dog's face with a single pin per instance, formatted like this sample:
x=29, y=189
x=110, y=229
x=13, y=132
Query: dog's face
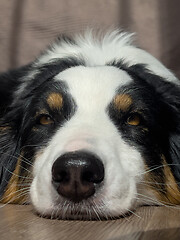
x=88, y=139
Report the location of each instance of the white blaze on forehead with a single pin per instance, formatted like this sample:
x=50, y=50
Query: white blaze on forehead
x=93, y=87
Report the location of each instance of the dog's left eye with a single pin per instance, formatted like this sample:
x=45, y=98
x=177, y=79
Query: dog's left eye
x=45, y=119
x=134, y=119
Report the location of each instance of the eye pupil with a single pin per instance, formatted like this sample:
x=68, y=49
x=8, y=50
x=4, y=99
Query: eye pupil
x=134, y=119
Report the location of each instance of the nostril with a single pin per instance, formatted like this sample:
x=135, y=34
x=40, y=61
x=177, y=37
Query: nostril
x=60, y=176
x=93, y=177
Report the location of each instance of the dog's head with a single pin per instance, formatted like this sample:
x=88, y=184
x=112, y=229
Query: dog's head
x=90, y=130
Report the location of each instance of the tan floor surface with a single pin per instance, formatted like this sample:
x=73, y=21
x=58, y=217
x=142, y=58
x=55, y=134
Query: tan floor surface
x=19, y=222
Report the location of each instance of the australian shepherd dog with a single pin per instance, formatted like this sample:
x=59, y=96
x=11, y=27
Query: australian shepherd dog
x=90, y=130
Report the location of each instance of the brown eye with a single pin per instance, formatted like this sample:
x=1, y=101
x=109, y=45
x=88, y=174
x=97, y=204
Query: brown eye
x=134, y=119
x=45, y=120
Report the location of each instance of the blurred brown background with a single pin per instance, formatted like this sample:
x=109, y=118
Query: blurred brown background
x=28, y=26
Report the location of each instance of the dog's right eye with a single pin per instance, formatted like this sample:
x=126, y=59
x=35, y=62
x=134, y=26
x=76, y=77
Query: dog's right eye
x=45, y=119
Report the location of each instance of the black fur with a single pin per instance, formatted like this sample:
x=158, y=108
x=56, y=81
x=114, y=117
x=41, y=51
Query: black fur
x=159, y=103
x=9, y=82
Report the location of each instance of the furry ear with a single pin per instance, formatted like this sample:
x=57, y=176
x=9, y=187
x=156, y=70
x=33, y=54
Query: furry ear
x=9, y=139
x=171, y=103
x=174, y=150
x=168, y=95
x=9, y=82
x=9, y=152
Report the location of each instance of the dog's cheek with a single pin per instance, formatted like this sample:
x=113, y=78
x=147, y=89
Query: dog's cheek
x=41, y=191
x=123, y=177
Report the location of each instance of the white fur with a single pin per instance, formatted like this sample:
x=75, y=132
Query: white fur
x=97, y=51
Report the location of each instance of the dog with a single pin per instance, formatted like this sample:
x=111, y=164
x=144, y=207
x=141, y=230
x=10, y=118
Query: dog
x=90, y=130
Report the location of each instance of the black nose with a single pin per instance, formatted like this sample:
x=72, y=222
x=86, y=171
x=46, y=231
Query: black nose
x=76, y=175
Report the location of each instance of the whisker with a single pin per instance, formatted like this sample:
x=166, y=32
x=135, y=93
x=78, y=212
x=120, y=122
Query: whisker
x=5, y=146
x=89, y=213
x=25, y=160
x=29, y=145
x=157, y=167
x=16, y=197
x=134, y=213
x=96, y=213
x=150, y=186
x=21, y=184
x=19, y=190
x=17, y=157
x=147, y=201
x=159, y=183
x=163, y=203
x=23, y=177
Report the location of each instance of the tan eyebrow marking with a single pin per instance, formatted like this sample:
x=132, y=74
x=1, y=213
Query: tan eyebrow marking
x=123, y=102
x=55, y=101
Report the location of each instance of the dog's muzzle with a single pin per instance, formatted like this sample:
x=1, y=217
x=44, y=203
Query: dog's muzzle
x=77, y=175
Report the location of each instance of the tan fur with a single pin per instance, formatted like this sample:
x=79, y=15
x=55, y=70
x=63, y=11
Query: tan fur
x=166, y=190
x=123, y=102
x=14, y=192
x=173, y=191
x=55, y=100
x=3, y=129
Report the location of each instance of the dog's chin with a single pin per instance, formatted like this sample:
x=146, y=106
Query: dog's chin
x=81, y=211
x=74, y=211
x=90, y=209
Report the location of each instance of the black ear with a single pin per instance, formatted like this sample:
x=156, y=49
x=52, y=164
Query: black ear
x=9, y=138
x=168, y=95
x=174, y=150
x=9, y=152
x=9, y=82
x=171, y=112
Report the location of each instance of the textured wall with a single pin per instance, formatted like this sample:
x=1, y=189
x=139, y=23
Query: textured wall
x=27, y=26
